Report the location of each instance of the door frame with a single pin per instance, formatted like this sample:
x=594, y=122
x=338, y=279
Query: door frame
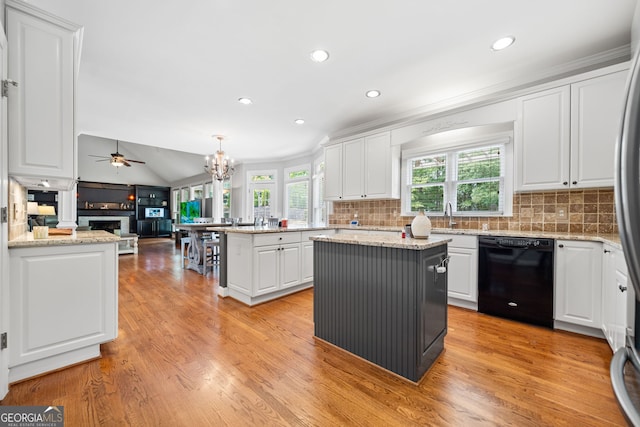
x=4, y=227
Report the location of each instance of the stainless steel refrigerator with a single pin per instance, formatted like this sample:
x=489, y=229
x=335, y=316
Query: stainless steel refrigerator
x=626, y=361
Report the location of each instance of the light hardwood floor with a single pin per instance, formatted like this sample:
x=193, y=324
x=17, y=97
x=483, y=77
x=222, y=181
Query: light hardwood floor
x=185, y=357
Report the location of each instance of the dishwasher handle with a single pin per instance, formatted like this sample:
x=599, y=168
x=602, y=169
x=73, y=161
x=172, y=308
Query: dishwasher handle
x=516, y=243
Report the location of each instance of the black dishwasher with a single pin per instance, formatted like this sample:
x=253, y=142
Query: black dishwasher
x=515, y=278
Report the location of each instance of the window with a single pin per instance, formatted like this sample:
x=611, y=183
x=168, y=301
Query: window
x=175, y=205
x=297, y=181
x=226, y=199
x=262, y=194
x=208, y=190
x=196, y=192
x=319, y=204
x=472, y=178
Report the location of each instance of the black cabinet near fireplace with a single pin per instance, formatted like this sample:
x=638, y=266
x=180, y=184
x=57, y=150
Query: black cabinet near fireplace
x=154, y=228
x=152, y=211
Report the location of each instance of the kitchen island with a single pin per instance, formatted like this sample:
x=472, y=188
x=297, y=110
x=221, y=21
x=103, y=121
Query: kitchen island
x=382, y=298
x=63, y=300
x=262, y=263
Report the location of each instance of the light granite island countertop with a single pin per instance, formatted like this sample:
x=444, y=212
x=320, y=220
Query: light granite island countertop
x=382, y=240
x=77, y=238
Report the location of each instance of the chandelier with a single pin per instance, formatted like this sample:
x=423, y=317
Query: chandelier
x=219, y=166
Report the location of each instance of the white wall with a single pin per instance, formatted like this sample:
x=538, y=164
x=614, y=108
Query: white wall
x=91, y=170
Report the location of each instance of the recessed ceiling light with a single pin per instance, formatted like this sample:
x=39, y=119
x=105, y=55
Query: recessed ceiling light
x=319, y=55
x=245, y=101
x=503, y=43
x=373, y=93
x=299, y=121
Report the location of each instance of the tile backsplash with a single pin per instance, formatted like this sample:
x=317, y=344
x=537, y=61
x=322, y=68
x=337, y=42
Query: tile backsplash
x=585, y=211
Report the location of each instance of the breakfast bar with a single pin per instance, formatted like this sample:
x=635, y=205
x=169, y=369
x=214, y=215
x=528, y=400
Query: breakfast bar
x=382, y=298
x=261, y=263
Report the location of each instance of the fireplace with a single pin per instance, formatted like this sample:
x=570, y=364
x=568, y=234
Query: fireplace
x=109, y=226
x=108, y=223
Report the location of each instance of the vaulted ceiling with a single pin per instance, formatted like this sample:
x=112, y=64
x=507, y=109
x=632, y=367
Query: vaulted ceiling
x=169, y=74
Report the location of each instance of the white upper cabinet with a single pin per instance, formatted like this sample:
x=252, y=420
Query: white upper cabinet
x=333, y=172
x=596, y=110
x=542, y=150
x=363, y=168
x=566, y=136
x=43, y=61
x=353, y=169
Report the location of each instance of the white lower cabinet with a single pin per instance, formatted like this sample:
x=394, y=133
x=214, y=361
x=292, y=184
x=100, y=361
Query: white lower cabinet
x=265, y=266
x=306, y=260
x=578, y=288
x=64, y=304
x=276, y=267
x=463, y=270
x=617, y=298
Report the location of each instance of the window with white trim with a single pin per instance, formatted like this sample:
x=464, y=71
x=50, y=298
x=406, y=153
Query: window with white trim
x=262, y=194
x=319, y=204
x=296, y=203
x=474, y=178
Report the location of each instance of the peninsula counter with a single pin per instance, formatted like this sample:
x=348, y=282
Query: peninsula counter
x=259, y=264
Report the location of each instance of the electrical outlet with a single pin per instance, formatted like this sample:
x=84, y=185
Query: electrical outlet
x=561, y=213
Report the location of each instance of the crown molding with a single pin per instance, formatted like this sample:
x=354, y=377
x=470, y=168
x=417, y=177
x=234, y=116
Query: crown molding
x=489, y=95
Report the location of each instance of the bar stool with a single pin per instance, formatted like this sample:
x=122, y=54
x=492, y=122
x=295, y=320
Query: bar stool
x=184, y=241
x=212, y=254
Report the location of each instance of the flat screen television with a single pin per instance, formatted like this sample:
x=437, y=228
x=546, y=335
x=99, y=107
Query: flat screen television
x=190, y=210
x=154, y=212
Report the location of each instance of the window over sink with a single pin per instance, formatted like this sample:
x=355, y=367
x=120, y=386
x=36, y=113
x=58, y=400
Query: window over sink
x=475, y=177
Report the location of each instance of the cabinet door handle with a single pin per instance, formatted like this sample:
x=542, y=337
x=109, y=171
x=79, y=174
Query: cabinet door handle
x=622, y=288
x=607, y=251
x=574, y=182
x=565, y=183
x=561, y=245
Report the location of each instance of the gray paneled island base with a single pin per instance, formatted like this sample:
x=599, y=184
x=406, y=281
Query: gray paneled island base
x=383, y=299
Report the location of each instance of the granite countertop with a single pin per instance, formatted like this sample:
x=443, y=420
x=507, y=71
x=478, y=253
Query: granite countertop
x=382, y=240
x=265, y=229
x=613, y=239
x=78, y=238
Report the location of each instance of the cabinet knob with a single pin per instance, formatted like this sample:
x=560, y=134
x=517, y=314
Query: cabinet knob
x=565, y=183
x=622, y=288
x=607, y=251
x=574, y=182
x=561, y=245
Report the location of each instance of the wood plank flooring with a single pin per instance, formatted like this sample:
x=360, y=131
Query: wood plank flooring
x=185, y=357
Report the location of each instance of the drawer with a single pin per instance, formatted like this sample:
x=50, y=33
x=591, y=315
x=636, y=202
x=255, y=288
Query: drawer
x=276, y=238
x=460, y=240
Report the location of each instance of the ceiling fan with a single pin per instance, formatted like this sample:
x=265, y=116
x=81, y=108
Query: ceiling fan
x=116, y=159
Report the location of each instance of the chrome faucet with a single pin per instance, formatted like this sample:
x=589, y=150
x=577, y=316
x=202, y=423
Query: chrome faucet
x=448, y=211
